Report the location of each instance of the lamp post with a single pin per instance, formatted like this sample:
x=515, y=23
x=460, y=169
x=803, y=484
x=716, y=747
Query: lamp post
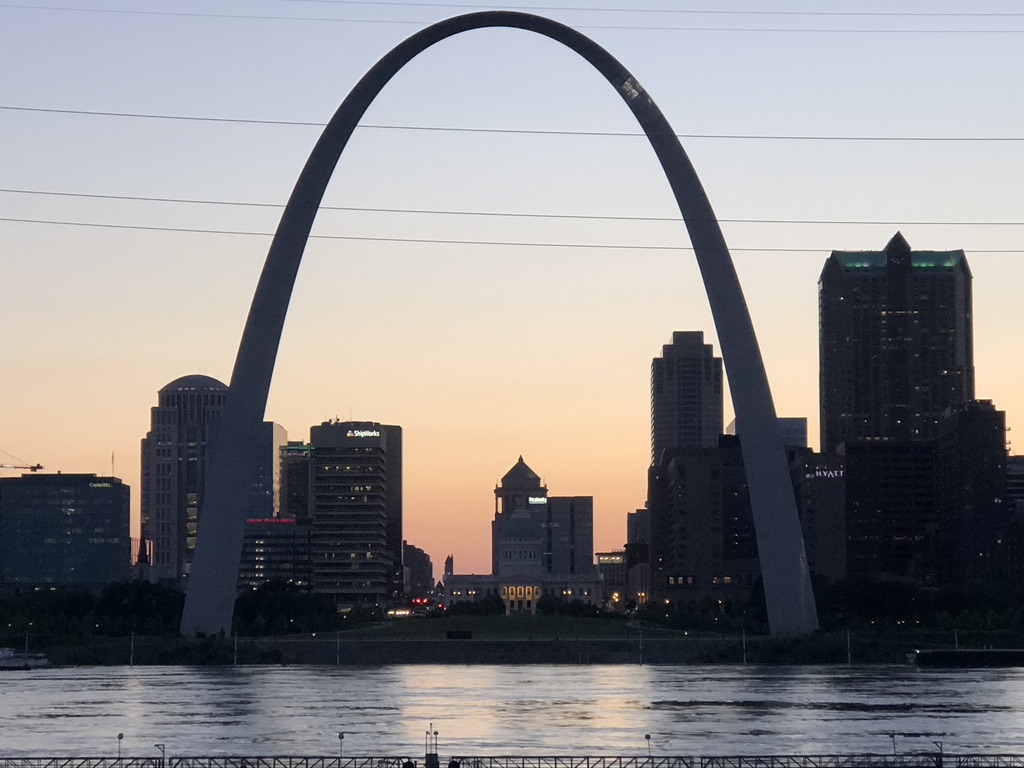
x=939, y=745
x=892, y=735
x=648, y=737
x=120, y=738
x=435, y=742
x=341, y=745
x=163, y=753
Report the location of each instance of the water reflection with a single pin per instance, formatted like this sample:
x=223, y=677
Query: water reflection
x=513, y=710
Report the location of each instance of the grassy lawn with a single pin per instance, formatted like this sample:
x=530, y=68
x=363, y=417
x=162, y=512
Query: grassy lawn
x=516, y=627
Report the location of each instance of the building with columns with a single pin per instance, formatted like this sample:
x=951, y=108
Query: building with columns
x=540, y=546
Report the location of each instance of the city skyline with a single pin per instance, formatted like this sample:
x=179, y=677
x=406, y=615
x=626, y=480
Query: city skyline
x=546, y=351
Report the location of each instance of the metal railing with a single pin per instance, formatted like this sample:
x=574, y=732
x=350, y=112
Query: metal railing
x=81, y=762
x=571, y=761
x=908, y=760
x=287, y=762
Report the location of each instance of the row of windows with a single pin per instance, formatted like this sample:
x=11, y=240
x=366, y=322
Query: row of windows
x=520, y=554
x=689, y=581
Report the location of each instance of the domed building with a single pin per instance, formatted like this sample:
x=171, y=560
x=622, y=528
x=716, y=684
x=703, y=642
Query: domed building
x=540, y=546
x=174, y=462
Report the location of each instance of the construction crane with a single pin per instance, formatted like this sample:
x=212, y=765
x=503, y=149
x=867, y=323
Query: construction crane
x=29, y=467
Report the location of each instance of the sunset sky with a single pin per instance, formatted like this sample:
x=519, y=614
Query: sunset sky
x=813, y=126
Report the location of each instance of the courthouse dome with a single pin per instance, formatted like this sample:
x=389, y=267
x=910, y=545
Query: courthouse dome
x=195, y=382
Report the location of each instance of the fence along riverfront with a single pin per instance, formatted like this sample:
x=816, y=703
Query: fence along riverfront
x=935, y=759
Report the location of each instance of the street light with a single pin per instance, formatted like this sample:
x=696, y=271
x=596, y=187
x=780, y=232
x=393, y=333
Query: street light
x=120, y=737
x=435, y=742
x=163, y=753
x=341, y=745
x=648, y=737
x=892, y=735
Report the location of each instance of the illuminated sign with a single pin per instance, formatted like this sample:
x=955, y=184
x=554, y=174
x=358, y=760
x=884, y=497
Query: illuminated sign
x=537, y=500
x=362, y=433
x=819, y=472
x=100, y=485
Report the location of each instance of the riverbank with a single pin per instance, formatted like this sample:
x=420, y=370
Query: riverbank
x=382, y=650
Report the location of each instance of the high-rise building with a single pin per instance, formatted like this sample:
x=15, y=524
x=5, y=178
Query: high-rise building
x=702, y=531
x=1015, y=512
x=793, y=429
x=686, y=395
x=295, y=481
x=638, y=557
x=974, y=516
x=895, y=342
x=419, y=571
x=174, y=463
x=819, y=481
x=266, y=486
x=1015, y=482
x=64, y=531
x=890, y=508
x=275, y=549
x=355, y=478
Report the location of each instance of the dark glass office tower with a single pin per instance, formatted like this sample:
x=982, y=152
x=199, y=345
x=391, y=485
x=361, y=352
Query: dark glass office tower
x=356, y=510
x=895, y=342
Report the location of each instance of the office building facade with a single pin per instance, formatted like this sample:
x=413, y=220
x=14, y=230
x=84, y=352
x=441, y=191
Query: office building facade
x=686, y=395
x=891, y=517
x=174, y=461
x=895, y=342
x=62, y=530
x=703, y=545
x=175, y=457
x=275, y=549
x=419, y=571
x=975, y=518
x=355, y=479
x=819, y=481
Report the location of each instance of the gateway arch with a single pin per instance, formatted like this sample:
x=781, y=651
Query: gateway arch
x=209, y=602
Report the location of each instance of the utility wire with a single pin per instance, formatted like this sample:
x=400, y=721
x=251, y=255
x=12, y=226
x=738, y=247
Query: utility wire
x=438, y=241
x=678, y=11
x=640, y=28
x=510, y=131
x=503, y=214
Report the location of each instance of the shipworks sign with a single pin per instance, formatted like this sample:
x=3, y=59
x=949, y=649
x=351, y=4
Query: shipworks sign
x=363, y=433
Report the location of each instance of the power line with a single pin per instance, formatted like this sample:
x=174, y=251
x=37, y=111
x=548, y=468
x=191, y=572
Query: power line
x=677, y=11
x=637, y=28
x=509, y=131
x=504, y=214
x=439, y=241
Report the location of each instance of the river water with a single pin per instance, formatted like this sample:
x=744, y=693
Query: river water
x=510, y=710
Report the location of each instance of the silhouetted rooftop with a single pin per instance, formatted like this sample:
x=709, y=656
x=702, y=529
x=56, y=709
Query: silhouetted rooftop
x=850, y=260
x=195, y=381
x=520, y=476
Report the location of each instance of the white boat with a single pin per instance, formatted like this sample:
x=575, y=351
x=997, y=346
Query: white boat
x=12, y=659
